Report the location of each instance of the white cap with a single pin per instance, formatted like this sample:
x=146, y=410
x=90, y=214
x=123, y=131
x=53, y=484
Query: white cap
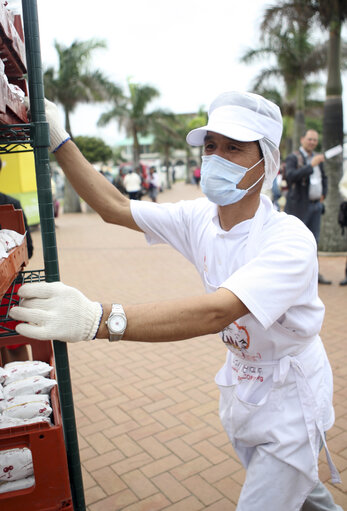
x=242, y=116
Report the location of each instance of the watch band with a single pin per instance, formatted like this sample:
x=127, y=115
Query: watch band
x=117, y=310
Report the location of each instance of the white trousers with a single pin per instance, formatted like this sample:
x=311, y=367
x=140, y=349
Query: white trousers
x=320, y=499
x=273, y=485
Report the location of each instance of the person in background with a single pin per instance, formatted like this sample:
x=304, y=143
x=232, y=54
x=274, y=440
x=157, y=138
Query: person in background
x=154, y=184
x=197, y=175
x=132, y=185
x=276, y=192
x=260, y=271
x=16, y=351
x=343, y=191
x=307, y=186
x=173, y=175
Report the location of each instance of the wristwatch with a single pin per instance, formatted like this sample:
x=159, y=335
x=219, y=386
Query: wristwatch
x=116, y=323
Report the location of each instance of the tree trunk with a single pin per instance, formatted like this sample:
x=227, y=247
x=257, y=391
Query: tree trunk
x=136, y=149
x=287, y=144
x=331, y=239
x=188, y=176
x=168, y=183
x=299, y=118
x=72, y=203
x=67, y=121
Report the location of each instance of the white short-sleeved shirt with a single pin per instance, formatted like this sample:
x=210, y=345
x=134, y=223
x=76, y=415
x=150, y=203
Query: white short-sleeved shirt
x=278, y=284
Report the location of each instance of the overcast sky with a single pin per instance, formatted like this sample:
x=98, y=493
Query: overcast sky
x=188, y=49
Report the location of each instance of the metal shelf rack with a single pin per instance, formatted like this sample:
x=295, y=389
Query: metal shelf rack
x=13, y=139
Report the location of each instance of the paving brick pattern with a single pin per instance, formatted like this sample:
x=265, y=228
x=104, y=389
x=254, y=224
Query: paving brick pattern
x=147, y=414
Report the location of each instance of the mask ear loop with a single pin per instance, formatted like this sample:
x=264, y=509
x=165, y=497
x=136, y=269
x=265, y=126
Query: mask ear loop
x=250, y=168
x=257, y=181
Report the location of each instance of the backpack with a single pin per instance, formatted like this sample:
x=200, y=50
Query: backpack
x=342, y=216
x=301, y=163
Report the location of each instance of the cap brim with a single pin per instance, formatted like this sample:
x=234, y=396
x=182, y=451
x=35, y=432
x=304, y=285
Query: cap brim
x=197, y=136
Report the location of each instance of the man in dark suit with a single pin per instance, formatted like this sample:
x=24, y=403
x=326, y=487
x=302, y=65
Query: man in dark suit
x=307, y=186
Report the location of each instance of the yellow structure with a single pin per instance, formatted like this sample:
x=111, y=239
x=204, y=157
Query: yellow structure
x=18, y=179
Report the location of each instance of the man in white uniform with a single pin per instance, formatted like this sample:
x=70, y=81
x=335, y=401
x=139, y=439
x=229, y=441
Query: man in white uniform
x=259, y=268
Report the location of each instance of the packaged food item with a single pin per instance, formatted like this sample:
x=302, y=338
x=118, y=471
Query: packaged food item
x=26, y=398
x=17, y=371
x=15, y=464
x=31, y=385
x=2, y=398
x=7, y=241
x=21, y=484
x=13, y=238
x=27, y=410
x=3, y=252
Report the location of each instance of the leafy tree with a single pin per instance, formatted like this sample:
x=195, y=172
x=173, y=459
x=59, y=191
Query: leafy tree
x=94, y=149
x=117, y=156
x=332, y=15
x=186, y=123
x=131, y=112
x=166, y=139
x=74, y=83
x=296, y=61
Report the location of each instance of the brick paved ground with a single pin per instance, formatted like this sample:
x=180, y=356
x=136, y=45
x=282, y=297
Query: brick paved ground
x=147, y=415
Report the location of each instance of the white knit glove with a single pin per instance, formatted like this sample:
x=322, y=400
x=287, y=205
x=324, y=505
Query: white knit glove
x=57, y=134
x=55, y=311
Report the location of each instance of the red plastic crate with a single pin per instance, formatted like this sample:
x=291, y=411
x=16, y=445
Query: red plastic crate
x=12, y=46
x=12, y=109
x=51, y=491
x=11, y=218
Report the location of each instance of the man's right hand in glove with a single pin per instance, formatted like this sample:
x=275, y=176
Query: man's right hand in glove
x=55, y=311
x=57, y=134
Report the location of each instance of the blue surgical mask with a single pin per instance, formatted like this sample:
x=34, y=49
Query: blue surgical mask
x=219, y=178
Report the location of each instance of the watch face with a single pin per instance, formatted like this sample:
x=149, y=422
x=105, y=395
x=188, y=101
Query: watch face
x=116, y=323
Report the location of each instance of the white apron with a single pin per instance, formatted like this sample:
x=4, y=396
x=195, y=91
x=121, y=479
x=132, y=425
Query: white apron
x=268, y=408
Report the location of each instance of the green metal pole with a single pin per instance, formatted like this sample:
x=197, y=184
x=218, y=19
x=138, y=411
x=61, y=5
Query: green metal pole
x=40, y=139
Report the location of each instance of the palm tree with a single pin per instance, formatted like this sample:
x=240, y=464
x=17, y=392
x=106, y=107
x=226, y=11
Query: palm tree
x=74, y=83
x=131, y=113
x=186, y=123
x=296, y=60
x=166, y=138
x=331, y=15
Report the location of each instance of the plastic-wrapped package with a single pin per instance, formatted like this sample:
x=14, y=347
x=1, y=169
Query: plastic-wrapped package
x=21, y=484
x=15, y=236
x=7, y=241
x=27, y=410
x=3, y=252
x=15, y=464
x=17, y=371
x=2, y=398
x=30, y=385
x=28, y=398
